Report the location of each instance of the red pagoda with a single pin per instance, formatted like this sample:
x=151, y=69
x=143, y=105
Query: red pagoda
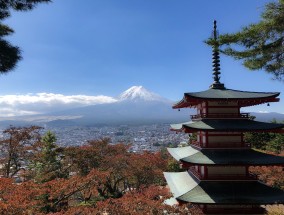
x=216, y=176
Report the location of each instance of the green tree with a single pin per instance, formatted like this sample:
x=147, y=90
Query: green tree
x=260, y=45
x=9, y=54
x=258, y=140
x=276, y=144
x=47, y=165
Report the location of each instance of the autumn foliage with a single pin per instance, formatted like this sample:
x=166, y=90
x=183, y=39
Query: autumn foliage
x=96, y=178
x=39, y=177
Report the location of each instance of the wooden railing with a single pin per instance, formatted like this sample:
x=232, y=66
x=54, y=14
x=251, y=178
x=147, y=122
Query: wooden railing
x=220, y=115
x=195, y=173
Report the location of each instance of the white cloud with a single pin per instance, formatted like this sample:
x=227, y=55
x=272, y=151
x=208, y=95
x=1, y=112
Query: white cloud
x=17, y=105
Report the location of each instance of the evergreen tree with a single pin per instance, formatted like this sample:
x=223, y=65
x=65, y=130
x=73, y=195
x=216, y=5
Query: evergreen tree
x=48, y=165
x=260, y=45
x=9, y=54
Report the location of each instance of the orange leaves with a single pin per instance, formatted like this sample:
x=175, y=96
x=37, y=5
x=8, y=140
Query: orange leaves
x=146, y=201
x=17, y=198
x=100, y=178
x=271, y=175
x=18, y=146
x=146, y=169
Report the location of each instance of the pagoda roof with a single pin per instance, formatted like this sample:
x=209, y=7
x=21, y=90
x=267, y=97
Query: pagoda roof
x=224, y=156
x=245, y=98
x=242, y=125
x=221, y=192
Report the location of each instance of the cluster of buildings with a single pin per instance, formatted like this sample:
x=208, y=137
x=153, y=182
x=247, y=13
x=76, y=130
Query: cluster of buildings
x=141, y=137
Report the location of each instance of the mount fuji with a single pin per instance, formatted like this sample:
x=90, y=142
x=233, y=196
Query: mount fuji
x=137, y=93
x=136, y=105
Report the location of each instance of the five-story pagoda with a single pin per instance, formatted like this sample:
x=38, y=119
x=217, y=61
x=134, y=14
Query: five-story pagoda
x=217, y=177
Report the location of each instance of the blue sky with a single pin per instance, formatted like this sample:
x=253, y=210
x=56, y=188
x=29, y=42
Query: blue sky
x=103, y=47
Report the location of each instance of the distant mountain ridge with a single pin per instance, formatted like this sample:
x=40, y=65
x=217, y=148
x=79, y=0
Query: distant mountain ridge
x=136, y=105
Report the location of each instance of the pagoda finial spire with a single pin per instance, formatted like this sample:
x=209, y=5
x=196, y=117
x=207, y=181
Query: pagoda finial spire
x=216, y=60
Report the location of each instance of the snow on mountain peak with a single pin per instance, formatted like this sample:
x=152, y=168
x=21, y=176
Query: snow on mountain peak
x=139, y=93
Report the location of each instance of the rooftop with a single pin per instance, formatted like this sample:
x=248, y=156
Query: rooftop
x=242, y=125
x=221, y=192
x=224, y=156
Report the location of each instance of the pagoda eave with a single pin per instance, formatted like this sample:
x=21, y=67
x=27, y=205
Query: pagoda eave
x=228, y=125
x=193, y=130
x=253, y=102
x=233, y=193
x=187, y=189
x=189, y=101
x=190, y=156
x=186, y=164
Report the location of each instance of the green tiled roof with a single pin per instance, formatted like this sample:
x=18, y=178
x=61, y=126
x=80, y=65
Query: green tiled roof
x=231, y=94
x=226, y=192
x=231, y=157
x=227, y=125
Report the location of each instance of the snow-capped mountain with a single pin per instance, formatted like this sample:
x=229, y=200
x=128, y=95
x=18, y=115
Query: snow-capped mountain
x=134, y=106
x=140, y=93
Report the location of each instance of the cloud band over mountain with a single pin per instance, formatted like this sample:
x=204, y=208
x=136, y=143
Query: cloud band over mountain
x=17, y=105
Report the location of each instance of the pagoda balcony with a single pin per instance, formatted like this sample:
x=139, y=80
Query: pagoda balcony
x=220, y=116
x=195, y=173
x=195, y=143
x=217, y=177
